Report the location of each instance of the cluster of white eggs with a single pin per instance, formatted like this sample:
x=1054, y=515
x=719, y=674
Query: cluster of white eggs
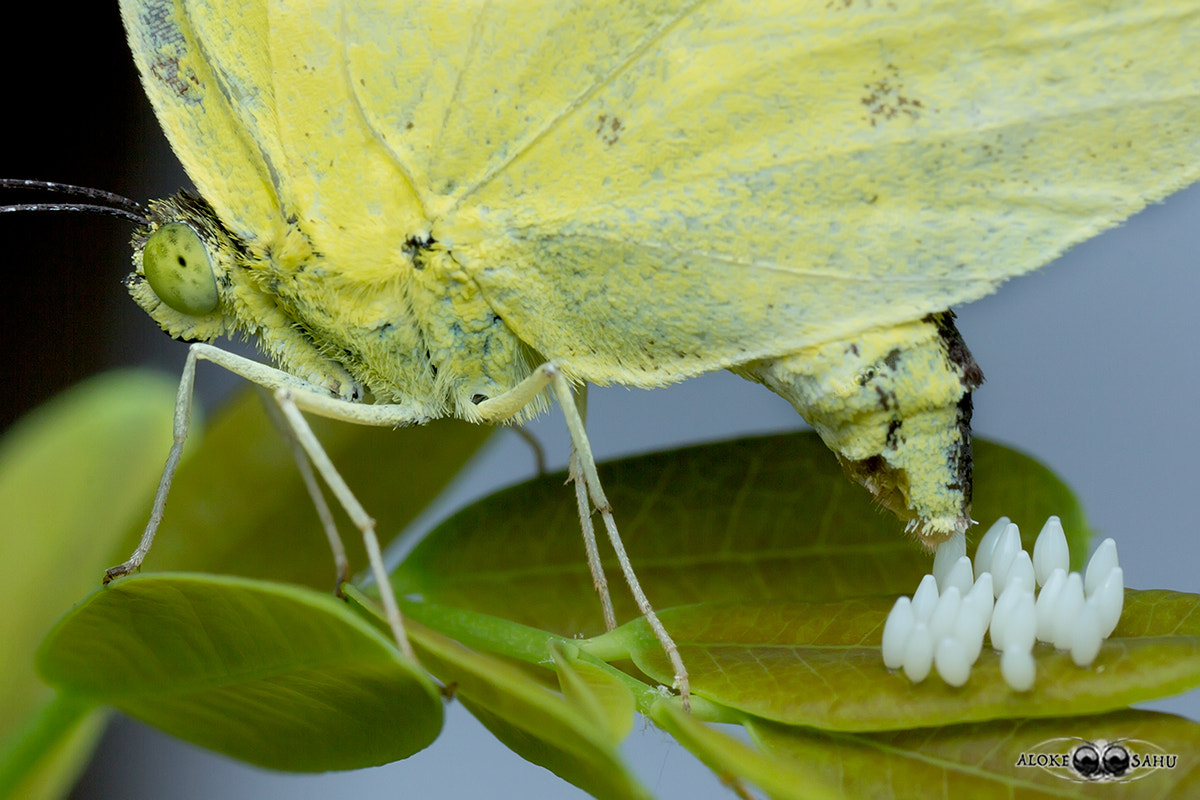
x=943, y=624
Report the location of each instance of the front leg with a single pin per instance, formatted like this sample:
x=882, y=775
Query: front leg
x=288, y=389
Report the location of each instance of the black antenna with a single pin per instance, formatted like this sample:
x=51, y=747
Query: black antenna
x=118, y=205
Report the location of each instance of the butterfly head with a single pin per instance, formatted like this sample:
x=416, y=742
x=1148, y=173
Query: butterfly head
x=184, y=261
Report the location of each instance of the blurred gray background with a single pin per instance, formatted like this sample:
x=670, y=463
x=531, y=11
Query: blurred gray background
x=1092, y=366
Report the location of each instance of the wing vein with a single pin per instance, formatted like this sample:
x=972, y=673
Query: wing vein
x=1028, y=197
x=456, y=94
x=572, y=106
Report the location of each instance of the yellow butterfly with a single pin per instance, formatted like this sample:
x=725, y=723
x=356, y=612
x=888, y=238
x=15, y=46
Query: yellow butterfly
x=450, y=209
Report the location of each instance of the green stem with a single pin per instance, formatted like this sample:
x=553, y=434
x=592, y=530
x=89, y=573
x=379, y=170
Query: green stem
x=485, y=632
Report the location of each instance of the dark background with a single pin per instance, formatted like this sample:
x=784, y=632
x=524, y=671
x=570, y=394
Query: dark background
x=1092, y=367
x=74, y=113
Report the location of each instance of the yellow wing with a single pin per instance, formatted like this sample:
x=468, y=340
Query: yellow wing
x=215, y=103
x=650, y=190
x=252, y=95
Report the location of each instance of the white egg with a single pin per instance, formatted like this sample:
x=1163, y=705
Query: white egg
x=925, y=598
x=944, y=624
x=983, y=596
x=1020, y=631
x=1004, y=556
x=987, y=545
x=959, y=576
x=1050, y=551
x=1109, y=600
x=1018, y=668
x=1022, y=569
x=1066, y=610
x=941, y=621
x=946, y=556
x=1085, y=637
x=952, y=661
x=1099, y=565
x=1046, y=607
x=969, y=629
x=918, y=653
x=978, y=609
x=1003, y=613
x=896, y=631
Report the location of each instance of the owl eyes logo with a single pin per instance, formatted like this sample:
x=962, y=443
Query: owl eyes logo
x=1101, y=761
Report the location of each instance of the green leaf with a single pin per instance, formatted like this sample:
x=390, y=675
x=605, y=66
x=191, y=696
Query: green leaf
x=769, y=518
x=819, y=665
x=979, y=760
x=74, y=475
x=275, y=675
x=42, y=760
x=531, y=719
x=239, y=501
x=105, y=442
x=594, y=691
x=733, y=761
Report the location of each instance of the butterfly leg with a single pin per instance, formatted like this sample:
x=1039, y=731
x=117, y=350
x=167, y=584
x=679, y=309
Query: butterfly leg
x=599, y=580
x=340, y=561
x=539, y=456
x=182, y=422
x=575, y=473
x=366, y=525
x=253, y=371
x=504, y=406
x=291, y=394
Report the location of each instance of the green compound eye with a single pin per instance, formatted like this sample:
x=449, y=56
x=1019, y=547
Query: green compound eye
x=175, y=262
